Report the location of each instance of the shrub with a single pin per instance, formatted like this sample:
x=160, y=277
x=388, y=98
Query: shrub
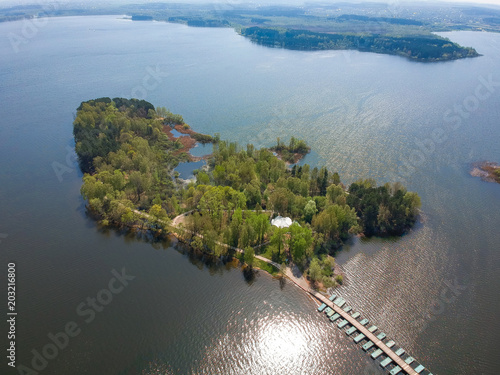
x=339, y=279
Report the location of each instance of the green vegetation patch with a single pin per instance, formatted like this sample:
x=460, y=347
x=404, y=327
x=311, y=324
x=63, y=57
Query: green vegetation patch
x=128, y=163
x=420, y=47
x=292, y=152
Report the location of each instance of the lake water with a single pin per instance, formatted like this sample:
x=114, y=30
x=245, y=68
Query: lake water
x=186, y=169
x=201, y=150
x=434, y=291
x=176, y=133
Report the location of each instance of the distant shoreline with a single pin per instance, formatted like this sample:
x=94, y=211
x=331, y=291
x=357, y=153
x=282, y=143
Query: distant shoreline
x=296, y=28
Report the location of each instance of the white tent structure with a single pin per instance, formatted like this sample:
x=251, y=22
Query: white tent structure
x=281, y=222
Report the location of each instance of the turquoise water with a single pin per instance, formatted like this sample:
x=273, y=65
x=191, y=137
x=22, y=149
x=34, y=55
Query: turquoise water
x=364, y=115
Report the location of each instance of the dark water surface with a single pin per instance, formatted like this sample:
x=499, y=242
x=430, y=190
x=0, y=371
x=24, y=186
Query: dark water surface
x=435, y=291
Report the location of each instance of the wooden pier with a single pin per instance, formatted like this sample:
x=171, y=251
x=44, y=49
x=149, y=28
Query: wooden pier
x=369, y=335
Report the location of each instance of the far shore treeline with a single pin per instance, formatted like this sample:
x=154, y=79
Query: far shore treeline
x=364, y=27
x=427, y=48
x=129, y=181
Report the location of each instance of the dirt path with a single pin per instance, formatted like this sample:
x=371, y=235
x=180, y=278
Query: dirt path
x=292, y=273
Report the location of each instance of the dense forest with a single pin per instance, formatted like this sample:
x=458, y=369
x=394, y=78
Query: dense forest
x=129, y=181
x=419, y=47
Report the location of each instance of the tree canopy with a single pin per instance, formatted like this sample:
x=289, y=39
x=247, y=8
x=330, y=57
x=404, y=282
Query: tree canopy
x=129, y=180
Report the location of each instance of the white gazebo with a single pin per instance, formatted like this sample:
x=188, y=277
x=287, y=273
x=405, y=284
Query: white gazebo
x=281, y=222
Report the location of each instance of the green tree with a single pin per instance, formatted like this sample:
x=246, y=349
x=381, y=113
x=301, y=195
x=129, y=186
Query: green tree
x=202, y=178
x=279, y=200
x=315, y=270
x=140, y=182
x=300, y=242
x=158, y=212
x=249, y=256
x=219, y=174
x=278, y=239
x=310, y=210
x=236, y=223
x=333, y=192
x=259, y=223
x=219, y=247
x=197, y=243
x=339, y=279
x=252, y=193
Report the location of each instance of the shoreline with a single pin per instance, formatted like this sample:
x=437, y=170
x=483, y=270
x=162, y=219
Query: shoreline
x=486, y=170
x=172, y=229
x=301, y=282
x=296, y=157
x=187, y=141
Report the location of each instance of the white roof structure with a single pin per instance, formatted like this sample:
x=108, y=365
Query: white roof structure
x=281, y=222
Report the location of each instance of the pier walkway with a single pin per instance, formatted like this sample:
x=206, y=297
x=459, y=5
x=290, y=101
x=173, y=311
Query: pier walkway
x=369, y=335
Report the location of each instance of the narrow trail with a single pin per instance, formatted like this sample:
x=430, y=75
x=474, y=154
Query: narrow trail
x=291, y=273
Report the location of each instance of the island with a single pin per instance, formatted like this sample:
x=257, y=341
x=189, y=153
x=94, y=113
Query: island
x=487, y=171
x=138, y=17
x=247, y=203
x=292, y=152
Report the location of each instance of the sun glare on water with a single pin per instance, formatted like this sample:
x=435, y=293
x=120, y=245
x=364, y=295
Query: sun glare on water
x=281, y=343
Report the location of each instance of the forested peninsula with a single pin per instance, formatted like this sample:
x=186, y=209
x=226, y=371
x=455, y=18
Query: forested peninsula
x=428, y=48
x=368, y=27
x=129, y=181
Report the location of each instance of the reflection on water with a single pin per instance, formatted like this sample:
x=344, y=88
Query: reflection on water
x=186, y=169
x=279, y=342
x=201, y=150
x=177, y=134
x=208, y=319
x=276, y=337
x=312, y=158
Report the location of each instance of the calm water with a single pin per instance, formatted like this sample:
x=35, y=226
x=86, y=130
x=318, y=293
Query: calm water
x=201, y=150
x=363, y=114
x=186, y=169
